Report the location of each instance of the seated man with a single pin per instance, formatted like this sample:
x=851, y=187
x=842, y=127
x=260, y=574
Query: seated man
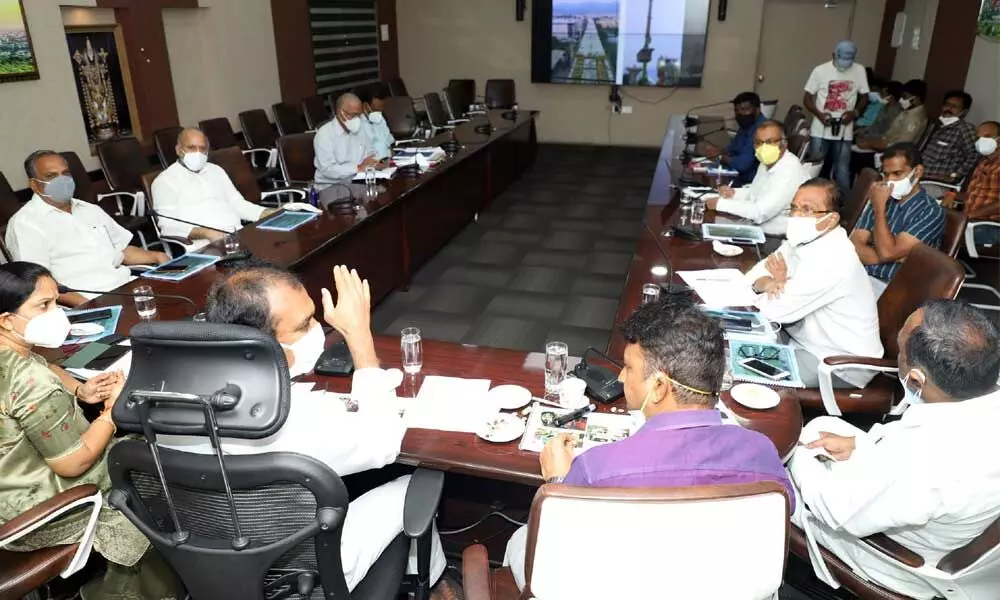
x=739, y=155
x=889, y=229
x=908, y=125
x=982, y=198
x=888, y=98
x=930, y=481
x=778, y=177
x=273, y=300
x=674, y=362
x=196, y=190
x=950, y=153
x=80, y=243
x=374, y=121
x=343, y=145
x=816, y=287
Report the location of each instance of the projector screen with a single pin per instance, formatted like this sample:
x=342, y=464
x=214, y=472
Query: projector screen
x=624, y=42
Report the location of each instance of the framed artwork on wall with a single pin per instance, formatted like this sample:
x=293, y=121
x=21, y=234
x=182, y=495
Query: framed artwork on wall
x=989, y=20
x=17, y=58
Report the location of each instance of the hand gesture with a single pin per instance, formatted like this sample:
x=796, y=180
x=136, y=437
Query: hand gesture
x=777, y=267
x=727, y=192
x=98, y=388
x=879, y=196
x=557, y=456
x=369, y=161
x=849, y=117
x=351, y=315
x=117, y=386
x=838, y=446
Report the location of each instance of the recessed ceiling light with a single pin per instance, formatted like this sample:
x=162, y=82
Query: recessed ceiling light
x=660, y=271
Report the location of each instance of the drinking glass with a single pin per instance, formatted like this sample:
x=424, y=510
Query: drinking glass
x=231, y=243
x=556, y=364
x=412, y=349
x=698, y=212
x=685, y=216
x=200, y=317
x=145, y=303
x=650, y=293
x=370, y=178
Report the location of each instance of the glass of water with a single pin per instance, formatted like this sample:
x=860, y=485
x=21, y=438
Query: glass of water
x=413, y=350
x=650, y=293
x=685, y=216
x=698, y=212
x=556, y=365
x=370, y=178
x=231, y=243
x=145, y=303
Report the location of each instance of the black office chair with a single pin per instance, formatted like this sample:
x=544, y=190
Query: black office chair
x=437, y=115
x=288, y=118
x=220, y=134
x=165, y=141
x=401, y=118
x=257, y=129
x=500, y=93
x=251, y=526
x=460, y=96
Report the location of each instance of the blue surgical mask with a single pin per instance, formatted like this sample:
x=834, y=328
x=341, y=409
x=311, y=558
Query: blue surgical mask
x=60, y=189
x=875, y=97
x=911, y=397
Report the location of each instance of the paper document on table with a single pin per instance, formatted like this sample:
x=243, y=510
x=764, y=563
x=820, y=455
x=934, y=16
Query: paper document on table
x=385, y=173
x=450, y=404
x=592, y=429
x=720, y=287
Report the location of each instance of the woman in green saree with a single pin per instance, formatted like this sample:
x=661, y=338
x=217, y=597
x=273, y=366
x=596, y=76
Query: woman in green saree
x=47, y=446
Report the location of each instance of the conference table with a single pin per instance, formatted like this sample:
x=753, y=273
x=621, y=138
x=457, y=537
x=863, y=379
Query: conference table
x=403, y=225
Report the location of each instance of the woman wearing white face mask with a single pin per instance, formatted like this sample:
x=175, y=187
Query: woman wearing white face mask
x=47, y=446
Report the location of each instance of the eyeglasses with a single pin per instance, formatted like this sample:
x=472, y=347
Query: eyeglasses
x=761, y=352
x=806, y=212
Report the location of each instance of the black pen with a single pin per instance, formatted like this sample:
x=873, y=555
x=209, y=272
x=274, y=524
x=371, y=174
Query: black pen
x=572, y=416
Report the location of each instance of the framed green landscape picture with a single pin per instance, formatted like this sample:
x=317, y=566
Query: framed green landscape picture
x=17, y=58
x=989, y=20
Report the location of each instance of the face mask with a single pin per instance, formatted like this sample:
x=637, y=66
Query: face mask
x=376, y=117
x=306, y=351
x=905, y=103
x=60, y=189
x=843, y=64
x=909, y=396
x=901, y=188
x=745, y=121
x=353, y=125
x=946, y=121
x=195, y=161
x=802, y=230
x=986, y=146
x=48, y=330
x=768, y=153
x=875, y=97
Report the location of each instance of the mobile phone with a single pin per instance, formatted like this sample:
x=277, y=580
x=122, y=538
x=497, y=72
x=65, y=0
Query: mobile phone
x=175, y=267
x=90, y=317
x=764, y=369
x=737, y=324
x=744, y=241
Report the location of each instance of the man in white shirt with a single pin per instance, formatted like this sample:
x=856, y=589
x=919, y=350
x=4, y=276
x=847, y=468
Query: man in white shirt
x=374, y=121
x=778, y=176
x=817, y=288
x=343, y=146
x=931, y=480
x=836, y=93
x=196, y=190
x=80, y=243
x=273, y=300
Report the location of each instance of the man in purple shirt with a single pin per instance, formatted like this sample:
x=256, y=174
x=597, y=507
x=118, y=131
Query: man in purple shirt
x=674, y=362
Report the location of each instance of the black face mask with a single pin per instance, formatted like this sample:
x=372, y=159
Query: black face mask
x=745, y=121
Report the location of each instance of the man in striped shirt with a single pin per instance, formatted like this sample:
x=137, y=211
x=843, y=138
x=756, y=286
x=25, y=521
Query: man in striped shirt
x=899, y=215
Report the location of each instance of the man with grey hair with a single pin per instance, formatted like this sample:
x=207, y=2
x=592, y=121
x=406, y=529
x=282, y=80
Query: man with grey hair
x=80, y=243
x=343, y=147
x=931, y=480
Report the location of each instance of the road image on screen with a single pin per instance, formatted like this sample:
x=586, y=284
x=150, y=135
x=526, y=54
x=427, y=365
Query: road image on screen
x=628, y=42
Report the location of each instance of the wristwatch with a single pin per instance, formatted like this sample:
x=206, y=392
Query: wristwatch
x=555, y=479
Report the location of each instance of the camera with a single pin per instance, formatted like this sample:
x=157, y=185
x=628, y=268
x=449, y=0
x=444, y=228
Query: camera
x=835, y=123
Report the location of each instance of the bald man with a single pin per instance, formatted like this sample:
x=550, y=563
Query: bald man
x=343, y=146
x=778, y=177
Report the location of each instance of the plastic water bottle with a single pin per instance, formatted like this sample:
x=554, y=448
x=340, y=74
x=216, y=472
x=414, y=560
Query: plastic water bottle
x=313, y=196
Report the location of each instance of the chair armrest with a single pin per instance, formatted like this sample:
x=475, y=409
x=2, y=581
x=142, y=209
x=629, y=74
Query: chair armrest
x=476, y=573
x=301, y=193
x=176, y=239
x=423, y=494
x=138, y=202
x=894, y=550
x=942, y=184
x=44, y=512
x=970, y=236
x=960, y=558
x=832, y=364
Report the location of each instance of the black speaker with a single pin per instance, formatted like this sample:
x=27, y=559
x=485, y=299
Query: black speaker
x=723, y=9
x=519, y=7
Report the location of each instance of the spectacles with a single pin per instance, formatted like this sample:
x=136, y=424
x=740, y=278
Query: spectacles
x=807, y=212
x=761, y=352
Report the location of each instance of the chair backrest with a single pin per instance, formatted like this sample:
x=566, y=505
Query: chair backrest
x=798, y=145
x=219, y=132
x=926, y=274
x=288, y=118
x=855, y=201
x=436, y=113
x=165, y=141
x=954, y=231
x=500, y=93
x=461, y=94
x=297, y=157
x=85, y=189
x=9, y=204
x=315, y=112
x=925, y=137
x=795, y=122
x=257, y=130
x=744, y=525
x=147, y=188
x=397, y=87
x=768, y=108
x=123, y=163
x=235, y=164
x=400, y=116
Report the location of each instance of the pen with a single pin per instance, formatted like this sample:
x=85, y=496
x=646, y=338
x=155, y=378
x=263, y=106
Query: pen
x=572, y=416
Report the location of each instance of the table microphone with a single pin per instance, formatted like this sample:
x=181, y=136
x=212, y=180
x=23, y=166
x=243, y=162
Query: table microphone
x=67, y=290
x=690, y=121
x=241, y=255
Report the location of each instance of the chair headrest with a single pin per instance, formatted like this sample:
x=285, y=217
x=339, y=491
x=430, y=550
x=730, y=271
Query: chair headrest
x=240, y=370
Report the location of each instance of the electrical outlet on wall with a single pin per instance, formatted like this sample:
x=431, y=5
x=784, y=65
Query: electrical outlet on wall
x=626, y=110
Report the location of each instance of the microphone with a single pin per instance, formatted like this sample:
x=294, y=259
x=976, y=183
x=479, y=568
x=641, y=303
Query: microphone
x=311, y=184
x=690, y=121
x=67, y=290
x=241, y=255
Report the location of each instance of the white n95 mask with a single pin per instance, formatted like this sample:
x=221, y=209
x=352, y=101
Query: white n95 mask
x=48, y=330
x=901, y=188
x=195, y=161
x=986, y=146
x=306, y=351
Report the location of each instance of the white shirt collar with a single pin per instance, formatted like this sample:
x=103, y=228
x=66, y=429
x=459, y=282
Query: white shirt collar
x=785, y=162
x=43, y=208
x=935, y=412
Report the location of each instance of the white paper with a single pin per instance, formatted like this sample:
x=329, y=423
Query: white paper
x=450, y=404
x=385, y=173
x=720, y=287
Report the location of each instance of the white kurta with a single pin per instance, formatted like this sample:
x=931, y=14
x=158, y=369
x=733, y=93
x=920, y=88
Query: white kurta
x=769, y=194
x=930, y=481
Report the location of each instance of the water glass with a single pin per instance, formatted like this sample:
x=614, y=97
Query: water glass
x=556, y=365
x=685, y=216
x=413, y=350
x=698, y=212
x=650, y=293
x=145, y=303
x=370, y=178
x=231, y=243
x=200, y=317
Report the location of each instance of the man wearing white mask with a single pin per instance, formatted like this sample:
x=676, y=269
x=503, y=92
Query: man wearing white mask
x=815, y=286
x=375, y=123
x=275, y=301
x=343, y=145
x=196, y=190
x=982, y=198
x=778, y=176
x=929, y=481
x=950, y=152
x=77, y=241
x=836, y=93
x=899, y=216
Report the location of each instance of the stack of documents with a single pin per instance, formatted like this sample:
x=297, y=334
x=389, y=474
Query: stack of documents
x=720, y=287
x=380, y=174
x=450, y=404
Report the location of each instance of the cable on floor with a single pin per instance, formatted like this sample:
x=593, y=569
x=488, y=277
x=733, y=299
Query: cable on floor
x=495, y=513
